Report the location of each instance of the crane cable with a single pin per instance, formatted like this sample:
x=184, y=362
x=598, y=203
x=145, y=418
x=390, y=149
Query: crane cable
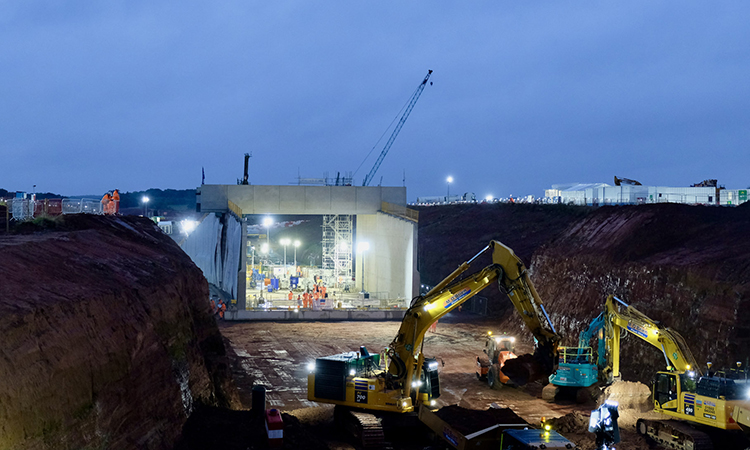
x=386, y=130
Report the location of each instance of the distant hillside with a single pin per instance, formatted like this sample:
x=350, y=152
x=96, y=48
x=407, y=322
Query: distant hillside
x=39, y=195
x=160, y=200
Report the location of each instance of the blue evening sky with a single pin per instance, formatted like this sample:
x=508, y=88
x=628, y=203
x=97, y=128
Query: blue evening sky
x=138, y=94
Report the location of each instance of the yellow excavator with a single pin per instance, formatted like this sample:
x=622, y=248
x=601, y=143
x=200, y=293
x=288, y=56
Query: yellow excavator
x=714, y=400
x=401, y=377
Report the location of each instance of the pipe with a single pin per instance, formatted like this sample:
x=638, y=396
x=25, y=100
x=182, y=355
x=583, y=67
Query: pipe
x=244, y=178
x=547, y=316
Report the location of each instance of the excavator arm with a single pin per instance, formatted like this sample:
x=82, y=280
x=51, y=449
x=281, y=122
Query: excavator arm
x=508, y=270
x=621, y=316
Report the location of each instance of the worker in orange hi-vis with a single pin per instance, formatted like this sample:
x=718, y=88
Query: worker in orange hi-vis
x=316, y=298
x=115, y=202
x=222, y=308
x=291, y=295
x=299, y=301
x=105, y=203
x=322, y=292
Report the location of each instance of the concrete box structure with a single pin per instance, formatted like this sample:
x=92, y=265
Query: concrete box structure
x=382, y=220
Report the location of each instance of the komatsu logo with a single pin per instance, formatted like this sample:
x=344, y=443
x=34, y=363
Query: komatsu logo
x=456, y=297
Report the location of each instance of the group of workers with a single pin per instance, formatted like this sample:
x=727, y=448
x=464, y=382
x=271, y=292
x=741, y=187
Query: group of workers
x=111, y=203
x=310, y=299
x=218, y=308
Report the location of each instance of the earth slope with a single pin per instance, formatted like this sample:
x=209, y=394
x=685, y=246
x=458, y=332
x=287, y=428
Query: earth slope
x=108, y=340
x=687, y=267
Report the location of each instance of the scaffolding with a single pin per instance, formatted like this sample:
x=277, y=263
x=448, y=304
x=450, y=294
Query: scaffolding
x=337, y=245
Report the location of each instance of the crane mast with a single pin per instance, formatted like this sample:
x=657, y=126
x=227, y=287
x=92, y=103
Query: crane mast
x=399, y=125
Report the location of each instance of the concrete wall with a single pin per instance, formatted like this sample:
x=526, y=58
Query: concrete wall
x=389, y=264
x=221, y=265
x=299, y=199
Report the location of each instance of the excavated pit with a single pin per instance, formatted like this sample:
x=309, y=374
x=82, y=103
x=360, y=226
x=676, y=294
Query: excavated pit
x=109, y=342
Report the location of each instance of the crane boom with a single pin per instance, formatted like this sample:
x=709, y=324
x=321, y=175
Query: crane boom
x=399, y=125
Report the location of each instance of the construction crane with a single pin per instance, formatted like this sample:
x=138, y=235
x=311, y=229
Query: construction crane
x=399, y=125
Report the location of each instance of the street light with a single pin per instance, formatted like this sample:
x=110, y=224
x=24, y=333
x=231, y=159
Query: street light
x=285, y=242
x=296, y=244
x=145, y=205
x=448, y=197
x=267, y=222
x=362, y=247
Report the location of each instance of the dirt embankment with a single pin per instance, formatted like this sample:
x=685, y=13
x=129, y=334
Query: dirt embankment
x=450, y=235
x=108, y=341
x=684, y=266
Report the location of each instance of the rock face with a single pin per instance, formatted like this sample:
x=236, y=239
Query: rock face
x=686, y=267
x=450, y=235
x=108, y=339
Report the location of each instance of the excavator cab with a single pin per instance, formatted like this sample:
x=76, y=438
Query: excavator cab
x=498, y=349
x=666, y=391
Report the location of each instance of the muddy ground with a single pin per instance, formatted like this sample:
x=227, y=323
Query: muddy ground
x=276, y=355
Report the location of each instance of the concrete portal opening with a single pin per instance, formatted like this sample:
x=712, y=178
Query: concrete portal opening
x=364, y=250
x=305, y=261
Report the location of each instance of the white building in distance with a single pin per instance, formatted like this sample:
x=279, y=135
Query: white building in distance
x=599, y=194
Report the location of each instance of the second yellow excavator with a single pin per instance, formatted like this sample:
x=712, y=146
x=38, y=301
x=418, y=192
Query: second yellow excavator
x=715, y=400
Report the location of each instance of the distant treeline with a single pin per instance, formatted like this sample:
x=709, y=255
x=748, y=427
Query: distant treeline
x=158, y=199
x=168, y=199
x=39, y=195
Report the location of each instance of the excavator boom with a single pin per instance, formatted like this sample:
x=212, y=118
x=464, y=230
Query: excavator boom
x=621, y=316
x=355, y=379
x=511, y=274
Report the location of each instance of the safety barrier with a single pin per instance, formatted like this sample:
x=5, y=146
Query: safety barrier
x=26, y=209
x=81, y=206
x=400, y=211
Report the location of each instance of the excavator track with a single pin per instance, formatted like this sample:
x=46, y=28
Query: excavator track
x=674, y=434
x=365, y=427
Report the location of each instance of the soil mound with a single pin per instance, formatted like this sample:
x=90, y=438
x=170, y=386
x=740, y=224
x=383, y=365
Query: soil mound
x=108, y=339
x=218, y=428
x=467, y=421
x=574, y=422
x=633, y=402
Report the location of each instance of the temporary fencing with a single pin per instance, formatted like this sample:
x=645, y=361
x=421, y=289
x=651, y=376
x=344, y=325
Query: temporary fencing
x=81, y=206
x=27, y=209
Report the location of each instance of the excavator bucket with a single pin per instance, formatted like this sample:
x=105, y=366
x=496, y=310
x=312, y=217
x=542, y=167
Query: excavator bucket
x=528, y=368
x=524, y=369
